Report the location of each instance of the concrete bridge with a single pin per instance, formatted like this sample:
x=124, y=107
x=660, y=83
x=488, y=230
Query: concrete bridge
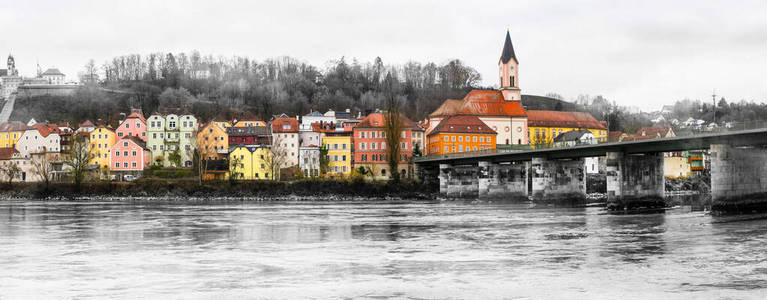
x=634, y=171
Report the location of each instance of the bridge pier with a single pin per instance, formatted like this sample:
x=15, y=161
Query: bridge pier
x=458, y=181
x=635, y=180
x=502, y=181
x=738, y=178
x=558, y=180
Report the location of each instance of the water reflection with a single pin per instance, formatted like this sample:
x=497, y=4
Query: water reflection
x=341, y=250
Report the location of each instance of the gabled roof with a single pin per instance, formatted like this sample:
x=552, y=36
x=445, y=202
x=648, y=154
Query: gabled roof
x=572, y=135
x=490, y=103
x=46, y=129
x=137, y=114
x=508, y=50
x=282, y=120
x=462, y=124
x=52, y=71
x=566, y=119
x=7, y=153
x=378, y=120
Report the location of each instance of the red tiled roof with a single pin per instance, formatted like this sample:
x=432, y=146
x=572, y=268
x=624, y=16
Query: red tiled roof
x=137, y=113
x=462, y=124
x=13, y=126
x=47, y=129
x=377, y=120
x=136, y=140
x=278, y=123
x=7, y=153
x=490, y=103
x=568, y=119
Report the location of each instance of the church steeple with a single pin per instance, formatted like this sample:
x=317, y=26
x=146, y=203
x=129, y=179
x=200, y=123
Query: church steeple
x=508, y=72
x=508, y=50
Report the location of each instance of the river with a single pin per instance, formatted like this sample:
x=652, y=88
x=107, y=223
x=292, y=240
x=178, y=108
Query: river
x=410, y=250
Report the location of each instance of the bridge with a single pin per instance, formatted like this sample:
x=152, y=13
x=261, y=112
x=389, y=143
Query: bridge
x=634, y=170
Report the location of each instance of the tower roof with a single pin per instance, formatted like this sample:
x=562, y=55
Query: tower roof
x=508, y=50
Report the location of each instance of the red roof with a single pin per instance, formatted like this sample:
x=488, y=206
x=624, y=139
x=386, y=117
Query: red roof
x=278, y=124
x=7, y=153
x=490, y=103
x=138, y=114
x=448, y=108
x=136, y=140
x=568, y=119
x=377, y=120
x=462, y=124
x=47, y=129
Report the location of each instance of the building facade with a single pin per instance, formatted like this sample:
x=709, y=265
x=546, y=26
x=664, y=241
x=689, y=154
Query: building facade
x=41, y=138
x=129, y=155
x=339, y=154
x=100, y=142
x=461, y=134
x=285, y=141
x=309, y=160
x=370, y=148
x=10, y=132
x=250, y=162
x=212, y=141
x=171, y=133
x=133, y=125
x=545, y=125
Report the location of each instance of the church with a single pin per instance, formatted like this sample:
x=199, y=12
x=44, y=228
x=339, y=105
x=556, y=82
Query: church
x=502, y=111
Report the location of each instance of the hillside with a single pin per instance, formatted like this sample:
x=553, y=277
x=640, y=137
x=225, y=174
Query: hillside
x=545, y=103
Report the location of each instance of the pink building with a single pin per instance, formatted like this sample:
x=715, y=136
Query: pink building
x=129, y=154
x=133, y=125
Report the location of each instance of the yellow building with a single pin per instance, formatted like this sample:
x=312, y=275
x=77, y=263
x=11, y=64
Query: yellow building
x=339, y=154
x=223, y=124
x=212, y=141
x=544, y=125
x=676, y=165
x=101, y=141
x=250, y=162
x=10, y=132
x=460, y=134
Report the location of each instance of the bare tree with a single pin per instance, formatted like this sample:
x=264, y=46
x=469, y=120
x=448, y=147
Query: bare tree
x=234, y=166
x=11, y=170
x=393, y=125
x=277, y=157
x=42, y=167
x=202, y=154
x=79, y=156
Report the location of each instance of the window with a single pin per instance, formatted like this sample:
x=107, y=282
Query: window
x=343, y=146
x=404, y=134
x=474, y=139
x=133, y=164
x=120, y=134
x=362, y=146
x=452, y=138
x=383, y=145
x=125, y=153
x=460, y=138
x=133, y=153
x=447, y=139
x=172, y=124
x=138, y=125
x=127, y=125
x=117, y=153
x=117, y=165
x=125, y=165
x=404, y=145
x=447, y=149
x=373, y=146
x=460, y=148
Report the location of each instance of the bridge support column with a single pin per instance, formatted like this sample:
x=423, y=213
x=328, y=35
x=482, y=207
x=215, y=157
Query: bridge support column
x=558, y=181
x=635, y=180
x=458, y=181
x=502, y=181
x=738, y=179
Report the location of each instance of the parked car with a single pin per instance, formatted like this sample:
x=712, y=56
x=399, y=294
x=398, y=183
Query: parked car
x=129, y=178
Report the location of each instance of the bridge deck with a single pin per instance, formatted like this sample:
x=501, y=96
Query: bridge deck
x=682, y=143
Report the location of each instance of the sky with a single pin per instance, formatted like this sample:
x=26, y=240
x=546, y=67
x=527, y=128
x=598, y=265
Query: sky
x=641, y=54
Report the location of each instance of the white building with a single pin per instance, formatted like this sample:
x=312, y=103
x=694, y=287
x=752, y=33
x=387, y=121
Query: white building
x=42, y=138
x=309, y=160
x=53, y=76
x=285, y=140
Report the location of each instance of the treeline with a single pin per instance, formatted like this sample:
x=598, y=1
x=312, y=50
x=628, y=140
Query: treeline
x=283, y=84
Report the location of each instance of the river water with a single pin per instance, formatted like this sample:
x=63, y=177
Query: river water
x=374, y=251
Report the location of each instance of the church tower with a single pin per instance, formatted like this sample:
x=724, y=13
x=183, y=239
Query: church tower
x=11, y=66
x=508, y=72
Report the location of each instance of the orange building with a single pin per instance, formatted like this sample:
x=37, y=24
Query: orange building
x=460, y=134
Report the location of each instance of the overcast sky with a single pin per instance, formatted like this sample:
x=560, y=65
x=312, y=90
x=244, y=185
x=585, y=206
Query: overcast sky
x=637, y=53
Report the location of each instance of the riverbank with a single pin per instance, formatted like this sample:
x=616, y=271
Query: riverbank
x=174, y=188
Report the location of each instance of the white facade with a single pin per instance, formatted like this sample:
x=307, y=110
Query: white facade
x=315, y=117
x=34, y=142
x=509, y=130
x=166, y=134
x=286, y=146
x=309, y=161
